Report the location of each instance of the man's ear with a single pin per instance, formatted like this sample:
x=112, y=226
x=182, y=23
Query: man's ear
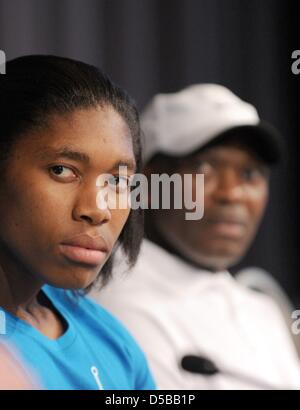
x=160, y=164
x=155, y=166
x=147, y=171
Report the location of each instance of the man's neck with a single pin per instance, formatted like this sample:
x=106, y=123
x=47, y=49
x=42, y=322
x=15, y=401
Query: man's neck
x=160, y=241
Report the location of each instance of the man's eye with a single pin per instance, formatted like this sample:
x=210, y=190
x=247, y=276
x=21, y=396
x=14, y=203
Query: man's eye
x=62, y=171
x=252, y=174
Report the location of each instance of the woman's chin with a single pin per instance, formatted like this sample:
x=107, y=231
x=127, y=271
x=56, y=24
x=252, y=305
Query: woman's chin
x=73, y=281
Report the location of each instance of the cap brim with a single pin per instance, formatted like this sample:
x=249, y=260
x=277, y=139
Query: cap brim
x=262, y=138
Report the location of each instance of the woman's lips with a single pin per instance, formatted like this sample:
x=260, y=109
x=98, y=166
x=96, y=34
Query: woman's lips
x=84, y=248
x=83, y=255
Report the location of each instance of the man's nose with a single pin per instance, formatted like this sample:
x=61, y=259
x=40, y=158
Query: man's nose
x=86, y=208
x=229, y=187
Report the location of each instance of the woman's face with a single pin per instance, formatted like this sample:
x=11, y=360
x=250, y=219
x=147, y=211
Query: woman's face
x=48, y=210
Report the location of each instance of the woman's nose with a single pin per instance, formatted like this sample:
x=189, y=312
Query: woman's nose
x=87, y=208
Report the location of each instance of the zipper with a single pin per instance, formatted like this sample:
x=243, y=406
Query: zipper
x=95, y=373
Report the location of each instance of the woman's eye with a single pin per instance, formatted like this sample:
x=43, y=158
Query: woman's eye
x=62, y=171
x=119, y=182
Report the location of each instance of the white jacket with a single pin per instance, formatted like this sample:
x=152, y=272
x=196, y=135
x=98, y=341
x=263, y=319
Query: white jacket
x=174, y=309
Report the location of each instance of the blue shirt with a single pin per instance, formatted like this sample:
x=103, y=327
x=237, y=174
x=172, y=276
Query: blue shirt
x=95, y=352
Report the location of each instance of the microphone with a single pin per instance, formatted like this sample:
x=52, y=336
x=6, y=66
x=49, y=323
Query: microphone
x=198, y=364
x=206, y=367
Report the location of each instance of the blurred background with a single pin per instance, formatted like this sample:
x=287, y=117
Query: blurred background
x=151, y=46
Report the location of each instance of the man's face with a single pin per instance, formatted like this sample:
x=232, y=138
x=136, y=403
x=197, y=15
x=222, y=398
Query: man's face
x=235, y=195
x=48, y=197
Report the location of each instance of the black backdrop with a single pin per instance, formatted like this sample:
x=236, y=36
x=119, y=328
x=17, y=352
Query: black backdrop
x=151, y=46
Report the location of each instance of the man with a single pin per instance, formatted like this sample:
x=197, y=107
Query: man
x=199, y=328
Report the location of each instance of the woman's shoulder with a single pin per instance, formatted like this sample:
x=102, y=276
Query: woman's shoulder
x=90, y=315
x=86, y=311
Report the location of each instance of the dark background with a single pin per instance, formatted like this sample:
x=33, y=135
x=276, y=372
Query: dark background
x=151, y=46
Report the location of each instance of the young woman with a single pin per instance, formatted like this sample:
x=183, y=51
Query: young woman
x=64, y=123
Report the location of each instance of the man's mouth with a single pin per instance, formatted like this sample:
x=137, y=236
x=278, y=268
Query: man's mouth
x=231, y=228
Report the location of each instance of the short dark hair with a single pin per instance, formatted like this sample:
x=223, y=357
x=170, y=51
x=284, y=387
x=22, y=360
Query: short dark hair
x=38, y=86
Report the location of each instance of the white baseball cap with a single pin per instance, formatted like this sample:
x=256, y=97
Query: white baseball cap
x=179, y=123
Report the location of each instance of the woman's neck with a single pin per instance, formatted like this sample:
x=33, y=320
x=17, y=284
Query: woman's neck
x=17, y=291
x=21, y=296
